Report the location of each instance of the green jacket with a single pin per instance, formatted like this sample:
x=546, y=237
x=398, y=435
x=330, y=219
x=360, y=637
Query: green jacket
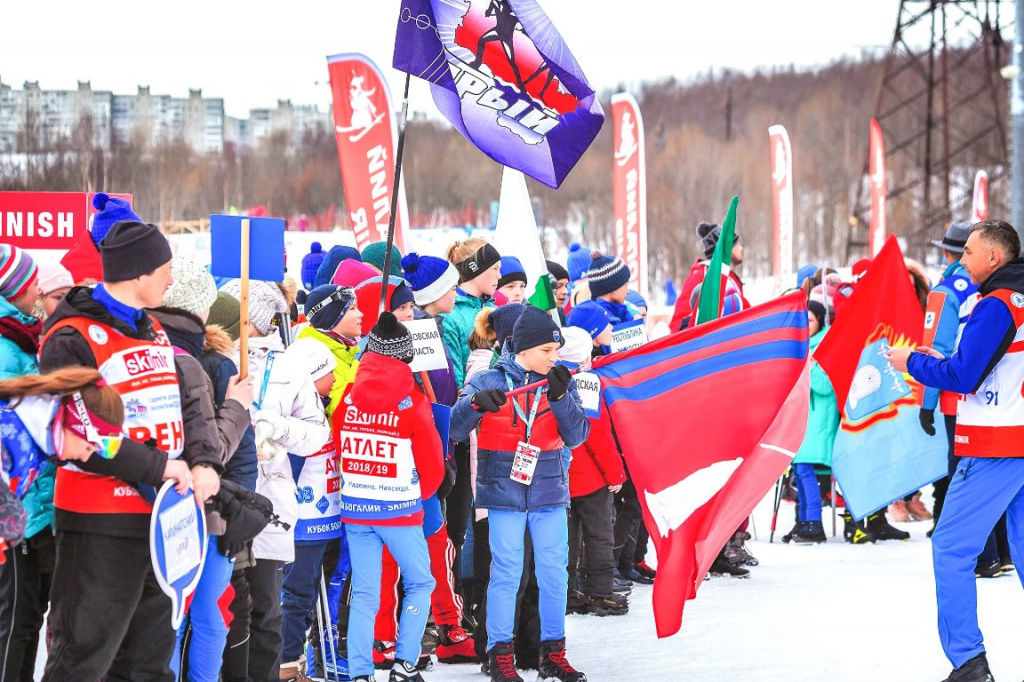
x=457, y=326
x=344, y=371
x=14, y=362
x=38, y=501
x=823, y=418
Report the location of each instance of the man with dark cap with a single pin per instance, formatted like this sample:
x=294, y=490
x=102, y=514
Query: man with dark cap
x=708, y=233
x=559, y=287
x=104, y=574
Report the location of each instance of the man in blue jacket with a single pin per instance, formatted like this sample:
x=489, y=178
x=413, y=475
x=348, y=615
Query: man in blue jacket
x=987, y=370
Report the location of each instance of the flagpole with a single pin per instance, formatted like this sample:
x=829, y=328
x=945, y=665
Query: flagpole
x=529, y=387
x=394, y=194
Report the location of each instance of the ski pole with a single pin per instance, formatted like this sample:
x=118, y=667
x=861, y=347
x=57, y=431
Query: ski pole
x=833, y=505
x=335, y=674
x=320, y=629
x=775, y=511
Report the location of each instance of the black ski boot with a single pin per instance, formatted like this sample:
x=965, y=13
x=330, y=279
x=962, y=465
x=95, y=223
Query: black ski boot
x=501, y=663
x=722, y=566
x=883, y=530
x=974, y=670
x=988, y=569
x=806, y=533
x=857, y=532
x=553, y=665
x=404, y=672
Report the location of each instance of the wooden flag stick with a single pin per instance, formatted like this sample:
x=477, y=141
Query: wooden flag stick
x=243, y=303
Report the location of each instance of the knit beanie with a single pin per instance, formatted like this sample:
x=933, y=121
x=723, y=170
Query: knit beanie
x=401, y=295
x=708, y=233
x=578, y=345
x=578, y=261
x=352, y=273
x=503, y=321
x=429, y=277
x=265, y=301
x=484, y=258
x=132, y=249
x=589, y=316
x=334, y=258
x=535, y=328
x=310, y=264
x=327, y=304
x=606, y=274
x=17, y=271
x=226, y=313
x=193, y=289
x=636, y=299
x=511, y=271
x=53, y=276
x=374, y=253
x=556, y=270
x=314, y=356
x=390, y=338
x=111, y=210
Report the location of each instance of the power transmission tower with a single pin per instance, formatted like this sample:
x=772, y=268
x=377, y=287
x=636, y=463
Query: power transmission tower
x=943, y=109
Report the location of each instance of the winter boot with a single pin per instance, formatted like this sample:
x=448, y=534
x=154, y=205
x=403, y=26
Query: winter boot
x=455, y=645
x=621, y=584
x=883, y=530
x=974, y=670
x=1006, y=563
x=607, y=605
x=988, y=569
x=898, y=512
x=857, y=532
x=576, y=603
x=806, y=533
x=737, y=553
x=917, y=510
x=645, y=570
x=553, y=665
x=295, y=671
x=721, y=566
x=631, y=574
x=502, y=663
x=404, y=672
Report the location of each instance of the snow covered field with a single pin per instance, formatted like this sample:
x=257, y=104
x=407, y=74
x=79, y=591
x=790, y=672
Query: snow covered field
x=826, y=613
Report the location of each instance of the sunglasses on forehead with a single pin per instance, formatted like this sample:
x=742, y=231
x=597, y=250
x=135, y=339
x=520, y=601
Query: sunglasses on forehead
x=106, y=446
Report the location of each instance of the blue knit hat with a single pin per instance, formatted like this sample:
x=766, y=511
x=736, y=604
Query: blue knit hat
x=327, y=304
x=606, y=274
x=511, y=271
x=373, y=255
x=805, y=272
x=429, y=277
x=503, y=319
x=331, y=262
x=578, y=261
x=535, y=328
x=111, y=210
x=634, y=297
x=310, y=264
x=590, y=317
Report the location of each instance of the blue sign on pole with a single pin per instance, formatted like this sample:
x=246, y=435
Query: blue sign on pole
x=442, y=422
x=177, y=546
x=266, y=247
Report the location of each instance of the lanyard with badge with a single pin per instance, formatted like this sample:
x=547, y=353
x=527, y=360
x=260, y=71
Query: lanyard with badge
x=266, y=378
x=525, y=462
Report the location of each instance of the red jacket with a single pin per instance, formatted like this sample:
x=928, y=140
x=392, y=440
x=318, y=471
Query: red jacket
x=383, y=415
x=692, y=281
x=597, y=463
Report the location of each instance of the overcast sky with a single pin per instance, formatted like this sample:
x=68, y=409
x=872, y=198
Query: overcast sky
x=253, y=53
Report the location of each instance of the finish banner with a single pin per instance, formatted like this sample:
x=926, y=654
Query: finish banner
x=46, y=220
x=364, y=127
x=629, y=189
x=782, y=204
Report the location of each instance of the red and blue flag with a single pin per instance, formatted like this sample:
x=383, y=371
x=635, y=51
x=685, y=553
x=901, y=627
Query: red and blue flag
x=502, y=75
x=708, y=419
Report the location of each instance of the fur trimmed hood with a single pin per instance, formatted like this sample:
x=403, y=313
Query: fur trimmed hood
x=218, y=340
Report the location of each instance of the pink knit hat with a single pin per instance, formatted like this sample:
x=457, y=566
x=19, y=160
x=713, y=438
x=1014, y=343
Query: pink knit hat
x=53, y=276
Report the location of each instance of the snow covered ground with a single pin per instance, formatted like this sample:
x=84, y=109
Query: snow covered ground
x=826, y=613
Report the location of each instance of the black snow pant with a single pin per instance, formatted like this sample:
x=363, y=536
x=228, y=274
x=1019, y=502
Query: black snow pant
x=258, y=594
x=591, y=540
x=628, y=520
x=108, y=617
x=31, y=566
x=458, y=507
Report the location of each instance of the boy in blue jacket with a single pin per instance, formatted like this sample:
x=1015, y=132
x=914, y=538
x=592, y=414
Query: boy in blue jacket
x=523, y=482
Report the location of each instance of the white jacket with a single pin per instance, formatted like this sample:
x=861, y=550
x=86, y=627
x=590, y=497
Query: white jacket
x=291, y=404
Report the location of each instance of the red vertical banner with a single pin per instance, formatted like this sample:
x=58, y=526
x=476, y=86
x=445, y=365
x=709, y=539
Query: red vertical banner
x=782, y=204
x=979, y=205
x=629, y=189
x=364, y=126
x=876, y=177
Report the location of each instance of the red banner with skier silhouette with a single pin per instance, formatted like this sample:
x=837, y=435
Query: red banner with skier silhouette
x=629, y=189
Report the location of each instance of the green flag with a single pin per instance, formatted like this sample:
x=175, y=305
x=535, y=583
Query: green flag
x=517, y=234
x=710, y=305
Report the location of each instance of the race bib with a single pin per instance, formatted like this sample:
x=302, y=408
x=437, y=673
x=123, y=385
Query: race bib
x=525, y=463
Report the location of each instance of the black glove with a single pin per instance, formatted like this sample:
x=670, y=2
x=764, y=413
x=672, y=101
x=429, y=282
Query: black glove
x=489, y=400
x=558, y=382
x=927, y=418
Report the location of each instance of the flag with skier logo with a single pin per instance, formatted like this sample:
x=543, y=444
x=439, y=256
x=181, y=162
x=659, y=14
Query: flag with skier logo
x=700, y=451
x=504, y=78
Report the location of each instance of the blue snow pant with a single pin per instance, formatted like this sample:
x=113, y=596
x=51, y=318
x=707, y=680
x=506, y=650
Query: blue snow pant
x=808, y=493
x=209, y=631
x=980, y=491
x=549, y=532
x=299, y=592
x=409, y=548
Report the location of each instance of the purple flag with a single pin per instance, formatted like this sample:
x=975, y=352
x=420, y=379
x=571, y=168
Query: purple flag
x=502, y=75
